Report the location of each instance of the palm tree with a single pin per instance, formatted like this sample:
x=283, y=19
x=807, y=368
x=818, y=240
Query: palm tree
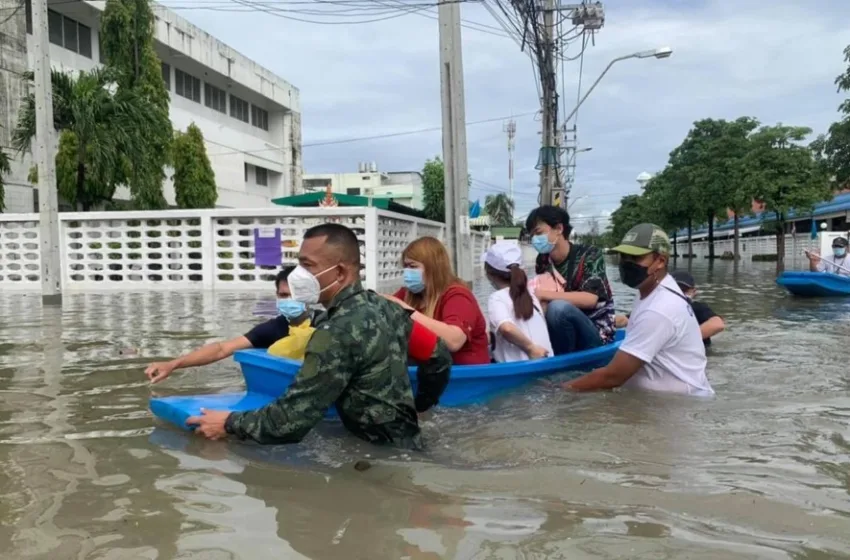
x=96, y=127
x=5, y=167
x=500, y=208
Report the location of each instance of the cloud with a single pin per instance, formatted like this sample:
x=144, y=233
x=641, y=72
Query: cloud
x=775, y=61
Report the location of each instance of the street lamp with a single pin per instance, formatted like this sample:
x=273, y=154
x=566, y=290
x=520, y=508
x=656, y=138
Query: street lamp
x=576, y=200
x=662, y=52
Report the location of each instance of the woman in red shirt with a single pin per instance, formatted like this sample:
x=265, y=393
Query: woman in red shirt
x=442, y=302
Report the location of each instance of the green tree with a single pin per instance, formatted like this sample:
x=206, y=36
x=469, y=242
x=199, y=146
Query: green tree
x=629, y=214
x=5, y=167
x=127, y=40
x=96, y=133
x=500, y=209
x=784, y=175
x=709, y=164
x=434, y=189
x=834, y=147
x=194, y=179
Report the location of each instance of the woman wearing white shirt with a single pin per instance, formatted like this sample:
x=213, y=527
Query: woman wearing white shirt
x=514, y=314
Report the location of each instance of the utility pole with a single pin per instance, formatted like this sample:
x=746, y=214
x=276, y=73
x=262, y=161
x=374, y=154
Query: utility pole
x=554, y=183
x=548, y=160
x=48, y=198
x=510, y=128
x=454, y=139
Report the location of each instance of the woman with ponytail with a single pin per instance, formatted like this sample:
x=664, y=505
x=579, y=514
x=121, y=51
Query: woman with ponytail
x=514, y=314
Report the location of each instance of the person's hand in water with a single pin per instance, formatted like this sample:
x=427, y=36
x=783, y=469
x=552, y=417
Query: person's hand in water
x=210, y=423
x=158, y=371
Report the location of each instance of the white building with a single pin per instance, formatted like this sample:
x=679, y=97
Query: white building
x=403, y=187
x=250, y=117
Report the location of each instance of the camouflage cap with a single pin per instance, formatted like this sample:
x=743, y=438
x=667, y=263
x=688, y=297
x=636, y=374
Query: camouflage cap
x=644, y=239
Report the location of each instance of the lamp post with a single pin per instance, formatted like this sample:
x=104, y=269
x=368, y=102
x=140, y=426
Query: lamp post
x=659, y=53
x=547, y=188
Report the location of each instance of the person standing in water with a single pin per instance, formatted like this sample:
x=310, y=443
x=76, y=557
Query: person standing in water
x=663, y=349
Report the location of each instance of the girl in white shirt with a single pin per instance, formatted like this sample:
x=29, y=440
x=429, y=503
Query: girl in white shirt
x=513, y=313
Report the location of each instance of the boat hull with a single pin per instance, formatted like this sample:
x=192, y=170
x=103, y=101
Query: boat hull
x=267, y=377
x=815, y=284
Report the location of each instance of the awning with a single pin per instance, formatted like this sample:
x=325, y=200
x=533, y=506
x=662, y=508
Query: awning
x=313, y=199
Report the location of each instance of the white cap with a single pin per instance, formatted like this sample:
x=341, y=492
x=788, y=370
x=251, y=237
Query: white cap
x=502, y=255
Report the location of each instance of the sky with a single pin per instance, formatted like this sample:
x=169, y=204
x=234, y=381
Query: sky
x=775, y=60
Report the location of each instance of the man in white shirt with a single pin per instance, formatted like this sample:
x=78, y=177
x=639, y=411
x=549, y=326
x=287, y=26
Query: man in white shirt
x=836, y=263
x=663, y=349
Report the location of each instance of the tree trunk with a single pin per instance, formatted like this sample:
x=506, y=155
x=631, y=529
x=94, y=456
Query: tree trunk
x=711, y=237
x=675, y=245
x=737, y=254
x=81, y=184
x=690, y=239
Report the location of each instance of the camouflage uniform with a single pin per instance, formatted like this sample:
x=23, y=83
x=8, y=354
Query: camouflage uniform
x=356, y=359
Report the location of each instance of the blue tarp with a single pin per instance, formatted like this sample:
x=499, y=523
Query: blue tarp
x=474, y=209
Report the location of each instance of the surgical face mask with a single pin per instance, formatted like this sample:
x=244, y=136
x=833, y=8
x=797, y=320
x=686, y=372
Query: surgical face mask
x=305, y=287
x=290, y=308
x=632, y=274
x=839, y=251
x=542, y=244
x=413, y=280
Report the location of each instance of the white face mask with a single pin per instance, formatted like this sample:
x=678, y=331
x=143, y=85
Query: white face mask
x=305, y=287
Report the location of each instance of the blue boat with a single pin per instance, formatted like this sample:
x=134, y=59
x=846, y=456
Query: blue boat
x=815, y=284
x=267, y=377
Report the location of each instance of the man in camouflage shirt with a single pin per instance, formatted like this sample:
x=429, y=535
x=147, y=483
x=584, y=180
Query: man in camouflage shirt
x=356, y=359
x=581, y=315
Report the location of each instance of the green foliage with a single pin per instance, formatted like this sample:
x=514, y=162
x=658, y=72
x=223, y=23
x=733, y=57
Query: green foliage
x=96, y=124
x=784, y=175
x=782, y=172
x=833, y=149
x=194, y=179
x=629, y=214
x=5, y=167
x=434, y=189
x=500, y=209
x=127, y=31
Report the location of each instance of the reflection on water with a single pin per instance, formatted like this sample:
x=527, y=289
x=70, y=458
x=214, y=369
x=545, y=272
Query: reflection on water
x=762, y=471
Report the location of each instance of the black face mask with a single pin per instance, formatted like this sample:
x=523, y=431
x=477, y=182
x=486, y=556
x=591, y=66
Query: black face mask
x=632, y=274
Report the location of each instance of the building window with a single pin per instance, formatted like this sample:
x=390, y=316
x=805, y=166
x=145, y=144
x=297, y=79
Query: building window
x=84, y=38
x=259, y=117
x=215, y=98
x=28, y=11
x=187, y=85
x=68, y=33
x=239, y=108
x=261, y=174
x=166, y=75
x=355, y=192
x=246, y=172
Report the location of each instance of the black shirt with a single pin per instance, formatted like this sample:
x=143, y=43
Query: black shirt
x=265, y=334
x=703, y=313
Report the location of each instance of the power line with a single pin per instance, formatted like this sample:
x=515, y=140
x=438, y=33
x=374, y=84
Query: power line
x=361, y=138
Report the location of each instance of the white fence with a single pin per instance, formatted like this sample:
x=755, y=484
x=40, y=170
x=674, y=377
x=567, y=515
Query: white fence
x=209, y=249
x=766, y=245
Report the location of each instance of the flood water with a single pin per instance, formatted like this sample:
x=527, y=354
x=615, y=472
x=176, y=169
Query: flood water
x=762, y=471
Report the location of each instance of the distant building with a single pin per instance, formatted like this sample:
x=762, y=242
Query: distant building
x=250, y=117
x=403, y=187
